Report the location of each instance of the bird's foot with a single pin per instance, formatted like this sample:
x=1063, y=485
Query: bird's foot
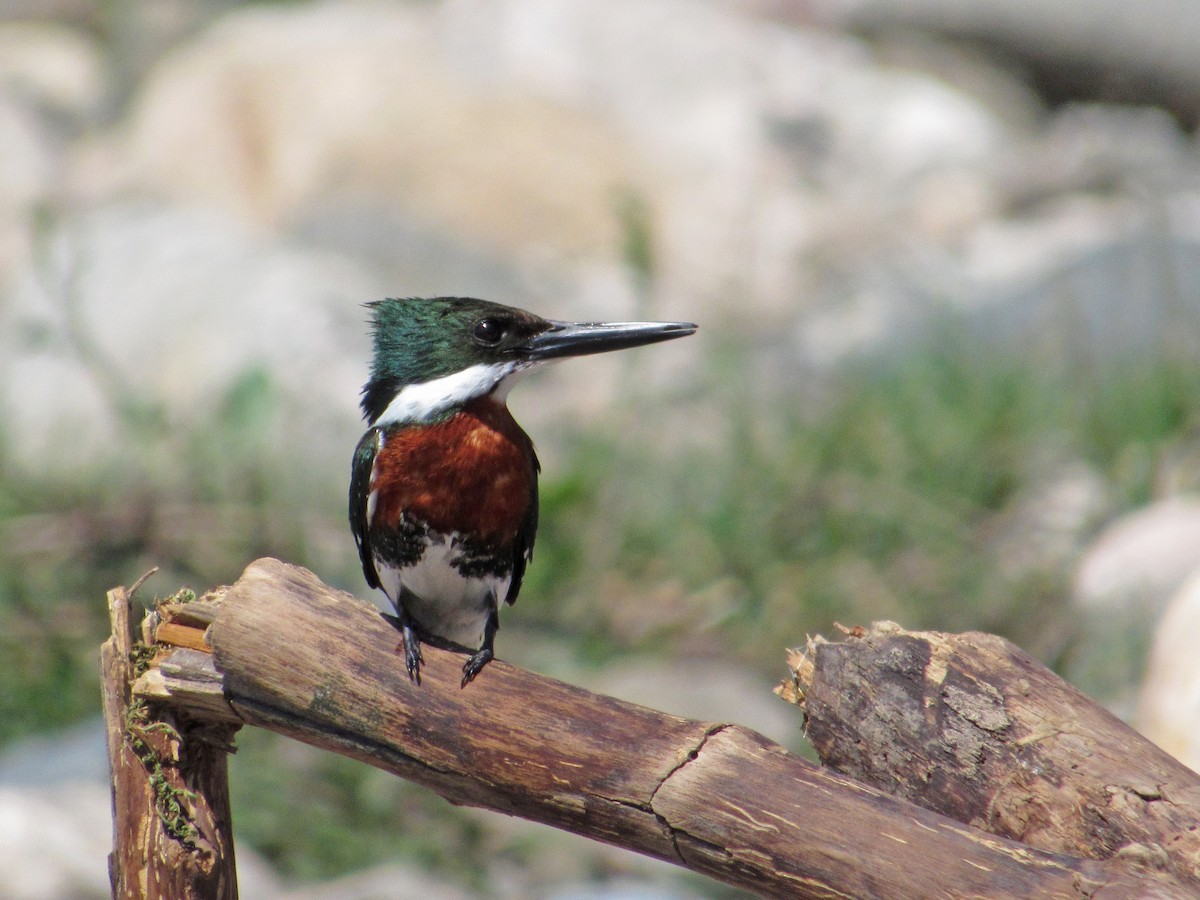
x=475, y=663
x=413, y=659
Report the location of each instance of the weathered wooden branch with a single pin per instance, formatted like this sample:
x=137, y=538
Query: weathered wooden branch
x=172, y=835
x=970, y=726
x=295, y=656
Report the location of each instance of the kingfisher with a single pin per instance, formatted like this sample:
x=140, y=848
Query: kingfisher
x=443, y=486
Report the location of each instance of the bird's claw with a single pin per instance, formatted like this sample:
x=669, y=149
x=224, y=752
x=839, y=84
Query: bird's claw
x=413, y=660
x=475, y=663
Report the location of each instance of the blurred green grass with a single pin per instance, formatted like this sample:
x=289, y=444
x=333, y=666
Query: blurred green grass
x=736, y=518
x=881, y=498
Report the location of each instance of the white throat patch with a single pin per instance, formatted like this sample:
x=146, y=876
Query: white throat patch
x=420, y=402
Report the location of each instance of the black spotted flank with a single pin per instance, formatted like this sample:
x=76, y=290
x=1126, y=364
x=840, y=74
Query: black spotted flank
x=475, y=560
x=400, y=545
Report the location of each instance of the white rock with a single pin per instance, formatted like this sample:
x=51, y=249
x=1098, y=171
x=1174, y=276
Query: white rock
x=54, y=841
x=761, y=152
x=58, y=66
x=1139, y=561
x=379, y=883
x=280, y=108
x=1169, y=704
x=1151, y=41
x=25, y=158
x=174, y=307
x=51, y=82
x=1122, y=586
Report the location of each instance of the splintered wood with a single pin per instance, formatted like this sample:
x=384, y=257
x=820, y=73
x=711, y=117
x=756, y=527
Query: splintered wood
x=181, y=669
x=172, y=834
x=974, y=728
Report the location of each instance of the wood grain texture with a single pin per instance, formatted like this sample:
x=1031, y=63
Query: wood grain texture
x=302, y=659
x=971, y=726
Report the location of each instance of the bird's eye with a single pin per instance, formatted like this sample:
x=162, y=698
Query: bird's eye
x=489, y=331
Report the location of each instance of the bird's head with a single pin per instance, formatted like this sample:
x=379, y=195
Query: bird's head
x=432, y=355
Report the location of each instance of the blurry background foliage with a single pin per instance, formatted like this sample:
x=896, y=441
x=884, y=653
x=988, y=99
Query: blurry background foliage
x=948, y=474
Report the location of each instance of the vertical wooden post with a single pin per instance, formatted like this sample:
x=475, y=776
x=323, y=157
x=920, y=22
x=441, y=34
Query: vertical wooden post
x=172, y=829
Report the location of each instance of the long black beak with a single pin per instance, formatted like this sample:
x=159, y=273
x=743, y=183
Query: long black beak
x=583, y=338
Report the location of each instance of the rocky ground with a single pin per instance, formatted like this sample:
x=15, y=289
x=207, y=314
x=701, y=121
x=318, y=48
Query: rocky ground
x=196, y=197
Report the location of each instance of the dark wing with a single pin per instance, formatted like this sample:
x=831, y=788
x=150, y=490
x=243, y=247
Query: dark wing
x=360, y=492
x=523, y=546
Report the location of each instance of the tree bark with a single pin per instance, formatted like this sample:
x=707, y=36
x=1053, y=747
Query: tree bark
x=172, y=832
x=970, y=726
x=295, y=656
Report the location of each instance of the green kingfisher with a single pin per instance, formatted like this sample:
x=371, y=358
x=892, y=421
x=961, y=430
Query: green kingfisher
x=443, y=487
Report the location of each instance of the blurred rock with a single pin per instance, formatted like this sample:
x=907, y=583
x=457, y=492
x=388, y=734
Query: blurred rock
x=1082, y=216
x=1103, y=49
x=763, y=155
x=1139, y=561
x=56, y=820
x=776, y=151
x=623, y=876
x=620, y=889
x=54, y=841
x=55, y=816
x=58, y=10
x=789, y=168
x=532, y=860
x=43, y=760
x=25, y=166
x=379, y=883
x=1169, y=703
x=797, y=174
x=56, y=68
x=1122, y=586
x=168, y=308
x=279, y=108
x=52, y=86
x=342, y=123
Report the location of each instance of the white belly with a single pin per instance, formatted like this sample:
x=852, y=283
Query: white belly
x=441, y=600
